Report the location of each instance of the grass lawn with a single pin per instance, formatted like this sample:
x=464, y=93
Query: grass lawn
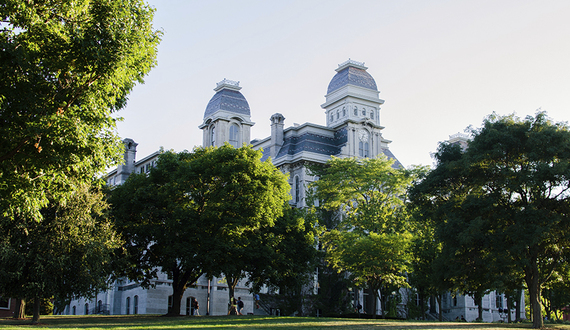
x=246, y=322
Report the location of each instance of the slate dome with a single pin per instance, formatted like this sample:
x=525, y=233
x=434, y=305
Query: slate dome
x=353, y=73
x=228, y=98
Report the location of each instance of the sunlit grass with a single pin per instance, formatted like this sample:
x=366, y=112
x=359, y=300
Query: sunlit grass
x=135, y=322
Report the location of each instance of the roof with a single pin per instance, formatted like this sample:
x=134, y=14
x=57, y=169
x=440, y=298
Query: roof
x=227, y=98
x=354, y=76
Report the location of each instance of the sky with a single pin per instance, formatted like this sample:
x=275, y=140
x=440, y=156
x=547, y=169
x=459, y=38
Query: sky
x=440, y=66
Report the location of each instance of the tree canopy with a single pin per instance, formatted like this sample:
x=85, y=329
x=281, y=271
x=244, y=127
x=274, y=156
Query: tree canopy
x=190, y=211
x=501, y=206
x=65, y=67
x=68, y=253
x=372, y=240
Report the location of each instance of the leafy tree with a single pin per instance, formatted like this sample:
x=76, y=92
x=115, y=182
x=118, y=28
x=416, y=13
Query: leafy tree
x=505, y=200
x=286, y=259
x=65, y=67
x=66, y=254
x=191, y=209
x=372, y=241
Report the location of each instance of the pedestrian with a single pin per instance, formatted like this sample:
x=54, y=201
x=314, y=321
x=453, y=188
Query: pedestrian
x=233, y=306
x=239, y=306
x=196, y=308
x=256, y=298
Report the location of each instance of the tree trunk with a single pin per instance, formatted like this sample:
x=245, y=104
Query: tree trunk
x=531, y=278
x=377, y=297
x=179, y=282
x=479, y=307
x=509, y=306
x=36, y=317
x=440, y=306
x=518, y=304
x=422, y=306
x=20, y=312
x=232, y=283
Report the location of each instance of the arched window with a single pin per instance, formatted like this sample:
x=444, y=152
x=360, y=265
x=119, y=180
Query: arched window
x=234, y=129
x=86, y=308
x=213, y=136
x=344, y=111
x=356, y=111
x=364, y=111
x=332, y=116
x=363, y=150
x=136, y=305
x=99, y=306
x=372, y=114
x=337, y=114
x=73, y=310
x=297, y=190
x=128, y=305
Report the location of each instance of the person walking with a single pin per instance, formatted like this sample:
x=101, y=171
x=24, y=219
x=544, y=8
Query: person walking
x=239, y=306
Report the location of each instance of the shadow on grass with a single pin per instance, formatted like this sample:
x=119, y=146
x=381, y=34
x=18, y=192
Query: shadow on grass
x=136, y=322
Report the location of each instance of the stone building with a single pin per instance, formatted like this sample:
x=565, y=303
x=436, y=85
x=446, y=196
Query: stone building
x=353, y=129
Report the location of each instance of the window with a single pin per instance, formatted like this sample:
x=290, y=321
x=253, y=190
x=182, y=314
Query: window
x=136, y=305
x=86, y=308
x=499, y=301
x=364, y=111
x=73, y=310
x=213, y=136
x=356, y=111
x=372, y=114
x=169, y=303
x=4, y=302
x=234, y=129
x=99, y=306
x=128, y=305
x=332, y=116
x=337, y=114
x=363, y=150
x=344, y=111
x=297, y=189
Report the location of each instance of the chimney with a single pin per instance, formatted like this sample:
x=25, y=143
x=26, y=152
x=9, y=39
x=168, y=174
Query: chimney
x=277, y=122
x=124, y=170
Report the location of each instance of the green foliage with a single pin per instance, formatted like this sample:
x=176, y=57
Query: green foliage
x=372, y=240
x=197, y=213
x=66, y=254
x=46, y=306
x=65, y=67
x=501, y=207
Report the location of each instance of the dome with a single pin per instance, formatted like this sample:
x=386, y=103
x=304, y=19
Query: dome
x=227, y=98
x=353, y=73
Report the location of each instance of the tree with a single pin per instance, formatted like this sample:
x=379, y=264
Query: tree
x=508, y=191
x=65, y=67
x=187, y=213
x=68, y=253
x=370, y=195
x=286, y=259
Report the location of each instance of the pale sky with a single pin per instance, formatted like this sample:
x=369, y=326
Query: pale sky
x=440, y=66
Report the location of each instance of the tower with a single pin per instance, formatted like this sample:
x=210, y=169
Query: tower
x=353, y=106
x=227, y=117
